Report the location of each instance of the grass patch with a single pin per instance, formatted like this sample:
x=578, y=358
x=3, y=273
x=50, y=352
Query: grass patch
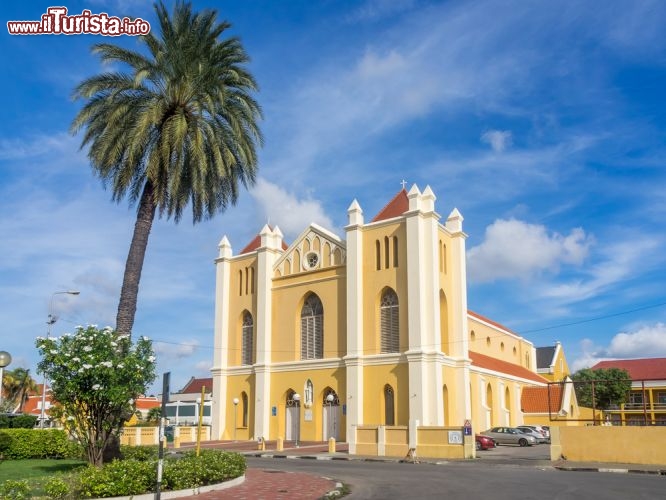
x=36, y=471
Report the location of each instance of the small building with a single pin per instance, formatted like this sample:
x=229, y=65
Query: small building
x=183, y=406
x=551, y=363
x=646, y=404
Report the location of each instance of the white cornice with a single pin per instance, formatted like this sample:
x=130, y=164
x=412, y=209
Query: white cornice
x=506, y=376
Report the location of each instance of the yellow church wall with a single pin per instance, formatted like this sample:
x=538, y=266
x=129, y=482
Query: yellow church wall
x=236, y=386
x=493, y=342
x=289, y=294
x=322, y=379
x=376, y=280
x=375, y=379
x=239, y=301
x=495, y=401
x=445, y=260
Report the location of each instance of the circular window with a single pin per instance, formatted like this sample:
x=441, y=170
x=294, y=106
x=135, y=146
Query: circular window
x=311, y=260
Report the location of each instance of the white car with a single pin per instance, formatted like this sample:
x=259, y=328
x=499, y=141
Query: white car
x=540, y=430
x=510, y=435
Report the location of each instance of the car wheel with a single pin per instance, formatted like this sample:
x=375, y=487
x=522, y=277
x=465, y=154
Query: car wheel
x=478, y=446
x=522, y=442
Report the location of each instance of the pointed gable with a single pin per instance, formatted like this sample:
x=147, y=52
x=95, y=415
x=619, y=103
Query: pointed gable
x=394, y=208
x=256, y=243
x=328, y=249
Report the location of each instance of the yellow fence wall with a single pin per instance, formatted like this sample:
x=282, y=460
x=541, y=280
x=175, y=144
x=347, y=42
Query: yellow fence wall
x=393, y=441
x=614, y=444
x=146, y=436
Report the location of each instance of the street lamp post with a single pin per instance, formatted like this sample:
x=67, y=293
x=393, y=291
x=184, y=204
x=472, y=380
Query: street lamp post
x=5, y=360
x=297, y=397
x=235, y=416
x=50, y=320
x=331, y=428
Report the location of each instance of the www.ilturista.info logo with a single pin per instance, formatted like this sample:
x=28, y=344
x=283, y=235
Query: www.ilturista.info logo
x=56, y=22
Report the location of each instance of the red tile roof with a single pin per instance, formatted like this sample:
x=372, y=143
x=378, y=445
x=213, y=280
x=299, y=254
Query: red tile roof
x=497, y=365
x=195, y=384
x=397, y=206
x=255, y=243
x=490, y=321
x=146, y=403
x=639, y=369
x=535, y=399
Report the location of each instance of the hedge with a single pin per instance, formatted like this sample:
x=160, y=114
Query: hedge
x=19, y=444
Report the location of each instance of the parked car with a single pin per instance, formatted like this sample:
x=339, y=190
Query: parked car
x=543, y=430
x=484, y=442
x=510, y=435
x=540, y=438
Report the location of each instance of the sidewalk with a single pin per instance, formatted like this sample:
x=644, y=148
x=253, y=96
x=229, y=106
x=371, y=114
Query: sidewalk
x=267, y=484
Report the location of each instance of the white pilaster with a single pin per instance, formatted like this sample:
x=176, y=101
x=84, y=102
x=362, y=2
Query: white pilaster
x=354, y=356
x=267, y=253
x=220, y=356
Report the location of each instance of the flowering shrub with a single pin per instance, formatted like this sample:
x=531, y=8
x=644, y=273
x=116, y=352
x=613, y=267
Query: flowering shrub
x=56, y=488
x=139, y=452
x=117, y=478
x=96, y=375
x=212, y=466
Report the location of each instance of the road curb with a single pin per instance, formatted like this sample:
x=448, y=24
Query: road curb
x=610, y=470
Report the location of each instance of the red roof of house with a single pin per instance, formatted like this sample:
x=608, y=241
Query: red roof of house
x=497, y=365
x=256, y=243
x=639, y=369
x=487, y=320
x=535, y=399
x=147, y=402
x=33, y=404
x=397, y=206
x=195, y=384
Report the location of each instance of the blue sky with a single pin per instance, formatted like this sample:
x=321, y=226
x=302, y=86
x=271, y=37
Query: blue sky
x=544, y=123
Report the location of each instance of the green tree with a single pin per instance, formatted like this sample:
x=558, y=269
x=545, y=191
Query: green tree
x=154, y=414
x=18, y=384
x=611, y=387
x=96, y=375
x=181, y=127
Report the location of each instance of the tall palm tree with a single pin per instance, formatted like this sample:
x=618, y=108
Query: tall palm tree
x=180, y=128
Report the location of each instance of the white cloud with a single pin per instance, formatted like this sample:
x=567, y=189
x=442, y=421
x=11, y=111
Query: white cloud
x=499, y=140
x=291, y=213
x=648, y=341
x=375, y=9
x=516, y=249
x=179, y=350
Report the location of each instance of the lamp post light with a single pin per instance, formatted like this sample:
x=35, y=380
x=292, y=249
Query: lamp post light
x=236, y=401
x=331, y=428
x=297, y=397
x=5, y=360
x=49, y=321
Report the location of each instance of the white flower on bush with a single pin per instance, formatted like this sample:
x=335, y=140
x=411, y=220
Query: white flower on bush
x=108, y=364
x=76, y=358
x=87, y=366
x=151, y=359
x=87, y=348
x=96, y=387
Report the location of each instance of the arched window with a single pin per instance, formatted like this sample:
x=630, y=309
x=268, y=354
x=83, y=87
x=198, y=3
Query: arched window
x=386, y=252
x=248, y=344
x=378, y=256
x=389, y=406
x=312, y=328
x=245, y=408
x=390, y=331
x=395, y=251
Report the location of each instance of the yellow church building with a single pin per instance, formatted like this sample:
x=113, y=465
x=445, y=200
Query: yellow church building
x=316, y=338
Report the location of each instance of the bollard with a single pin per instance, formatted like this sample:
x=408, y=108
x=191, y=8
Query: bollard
x=279, y=446
x=261, y=444
x=331, y=445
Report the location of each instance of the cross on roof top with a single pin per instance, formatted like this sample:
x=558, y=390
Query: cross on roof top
x=403, y=183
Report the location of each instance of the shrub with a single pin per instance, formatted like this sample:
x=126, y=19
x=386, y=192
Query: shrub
x=5, y=442
x=15, y=490
x=212, y=466
x=117, y=478
x=139, y=452
x=23, y=422
x=56, y=488
x=36, y=443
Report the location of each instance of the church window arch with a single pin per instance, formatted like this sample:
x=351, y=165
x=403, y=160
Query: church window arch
x=312, y=328
x=389, y=322
x=247, y=339
x=389, y=405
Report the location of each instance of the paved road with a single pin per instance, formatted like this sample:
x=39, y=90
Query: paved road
x=471, y=480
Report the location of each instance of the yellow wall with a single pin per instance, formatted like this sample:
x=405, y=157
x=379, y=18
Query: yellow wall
x=375, y=281
x=631, y=445
x=239, y=301
x=289, y=295
x=498, y=344
x=375, y=378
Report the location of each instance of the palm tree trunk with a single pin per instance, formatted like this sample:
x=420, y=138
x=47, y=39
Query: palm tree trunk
x=134, y=263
